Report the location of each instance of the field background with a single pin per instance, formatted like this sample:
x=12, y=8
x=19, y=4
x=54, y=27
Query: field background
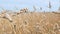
x=31, y=23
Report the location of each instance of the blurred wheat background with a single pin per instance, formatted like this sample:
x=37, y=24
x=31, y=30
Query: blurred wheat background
x=41, y=20
x=30, y=23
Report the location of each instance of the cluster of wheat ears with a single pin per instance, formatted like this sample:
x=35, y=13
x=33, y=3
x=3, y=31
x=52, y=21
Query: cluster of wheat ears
x=25, y=22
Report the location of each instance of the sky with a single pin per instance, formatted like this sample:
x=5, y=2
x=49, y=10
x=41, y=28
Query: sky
x=13, y=4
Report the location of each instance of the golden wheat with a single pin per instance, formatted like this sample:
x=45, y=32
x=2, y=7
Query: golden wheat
x=31, y=23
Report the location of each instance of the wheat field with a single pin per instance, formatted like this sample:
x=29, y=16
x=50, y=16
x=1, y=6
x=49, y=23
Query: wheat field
x=31, y=23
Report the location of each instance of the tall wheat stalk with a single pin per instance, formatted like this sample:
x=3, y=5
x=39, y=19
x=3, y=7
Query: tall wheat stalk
x=34, y=8
x=49, y=6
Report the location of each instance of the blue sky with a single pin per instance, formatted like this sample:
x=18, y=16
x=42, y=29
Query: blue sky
x=13, y=4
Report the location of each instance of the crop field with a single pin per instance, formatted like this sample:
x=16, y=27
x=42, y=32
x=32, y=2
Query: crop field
x=31, y=23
